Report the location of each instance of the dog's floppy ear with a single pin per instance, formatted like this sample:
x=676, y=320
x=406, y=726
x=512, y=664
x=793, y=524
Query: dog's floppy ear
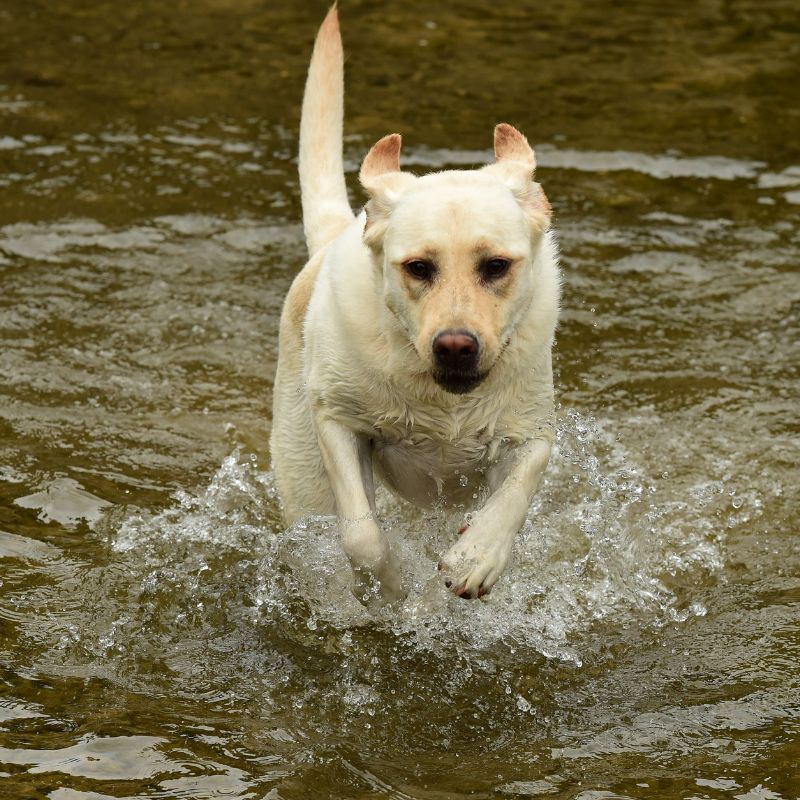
x=514, y=164
x=381, y=176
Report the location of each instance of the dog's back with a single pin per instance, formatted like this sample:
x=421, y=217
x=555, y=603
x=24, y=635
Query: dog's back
x=326, y=213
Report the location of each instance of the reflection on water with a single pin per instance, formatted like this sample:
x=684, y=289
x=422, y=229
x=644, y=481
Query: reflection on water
x=162, y=636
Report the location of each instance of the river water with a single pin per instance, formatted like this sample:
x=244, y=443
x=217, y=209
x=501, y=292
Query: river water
x=161, y=636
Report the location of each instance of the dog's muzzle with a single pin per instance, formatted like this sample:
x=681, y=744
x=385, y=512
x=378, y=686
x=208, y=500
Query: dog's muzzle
x=455, y=357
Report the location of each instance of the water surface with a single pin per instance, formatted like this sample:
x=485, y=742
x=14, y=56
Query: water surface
x=162, y=636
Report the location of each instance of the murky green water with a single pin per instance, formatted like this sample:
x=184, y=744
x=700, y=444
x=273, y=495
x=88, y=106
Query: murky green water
x=158, y=638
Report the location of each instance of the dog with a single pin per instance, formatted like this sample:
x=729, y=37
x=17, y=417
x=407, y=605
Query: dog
x=415, y=344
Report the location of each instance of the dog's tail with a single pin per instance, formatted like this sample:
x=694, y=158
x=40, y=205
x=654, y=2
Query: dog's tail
x=326, y=210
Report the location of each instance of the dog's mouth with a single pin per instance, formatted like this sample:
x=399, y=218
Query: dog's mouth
x=457, y=382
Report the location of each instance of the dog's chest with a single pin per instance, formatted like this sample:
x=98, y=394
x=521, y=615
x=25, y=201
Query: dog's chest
x=425, y=471
x=427, y=452
x=431, y=456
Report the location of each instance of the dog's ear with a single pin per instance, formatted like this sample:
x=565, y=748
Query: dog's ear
x=511, y=145
x=514, y=164
x=381, y=176
x=382, y=159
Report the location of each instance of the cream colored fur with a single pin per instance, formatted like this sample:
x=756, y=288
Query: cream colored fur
x=355, y=395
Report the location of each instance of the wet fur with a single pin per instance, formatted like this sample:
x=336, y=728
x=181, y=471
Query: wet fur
x=355, y=395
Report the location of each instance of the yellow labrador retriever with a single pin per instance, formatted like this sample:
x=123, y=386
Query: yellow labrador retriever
x=415, y=345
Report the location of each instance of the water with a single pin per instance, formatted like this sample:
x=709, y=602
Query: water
x=162, y=636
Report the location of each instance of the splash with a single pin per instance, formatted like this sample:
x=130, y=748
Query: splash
x=600, y=544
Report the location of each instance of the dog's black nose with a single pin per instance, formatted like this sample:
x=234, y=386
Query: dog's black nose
x=456, y=351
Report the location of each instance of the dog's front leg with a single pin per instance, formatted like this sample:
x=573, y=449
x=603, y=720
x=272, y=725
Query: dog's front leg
x=348, y=463
x=476, y=561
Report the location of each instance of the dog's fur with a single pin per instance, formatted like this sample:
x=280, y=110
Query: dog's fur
x=360, y=390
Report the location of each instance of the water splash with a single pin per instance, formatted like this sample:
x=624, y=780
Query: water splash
x=599, y=544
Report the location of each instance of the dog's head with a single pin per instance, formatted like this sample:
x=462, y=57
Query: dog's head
x=458, y=251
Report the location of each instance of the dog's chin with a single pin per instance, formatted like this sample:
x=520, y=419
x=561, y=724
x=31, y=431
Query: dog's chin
x=458, y=382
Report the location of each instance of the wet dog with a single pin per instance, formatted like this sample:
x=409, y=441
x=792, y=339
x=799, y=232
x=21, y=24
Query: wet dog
x=415, y=345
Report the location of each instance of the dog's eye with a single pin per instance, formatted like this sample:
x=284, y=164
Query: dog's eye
x=494, y=268
x=421, y=270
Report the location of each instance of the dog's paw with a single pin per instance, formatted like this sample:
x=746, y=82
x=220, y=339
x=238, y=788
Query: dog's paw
x=376, y=569
x=474, y=563
x=381, y=587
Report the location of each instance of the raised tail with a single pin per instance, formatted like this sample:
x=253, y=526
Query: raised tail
x=326, y=209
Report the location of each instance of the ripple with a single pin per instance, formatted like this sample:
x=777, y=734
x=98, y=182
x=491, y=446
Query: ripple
x=661, y=167
x=110, y=758
x=65, y=501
